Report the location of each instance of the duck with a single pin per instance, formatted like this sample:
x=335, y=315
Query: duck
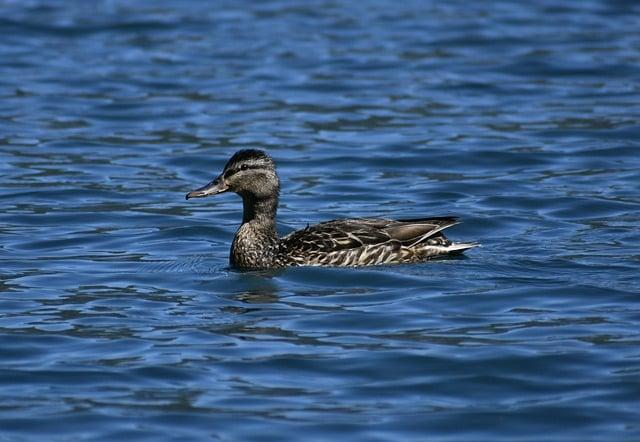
x=351, y=242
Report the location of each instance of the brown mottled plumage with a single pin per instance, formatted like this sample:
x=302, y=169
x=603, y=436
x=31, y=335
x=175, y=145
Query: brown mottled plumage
x=346, y=242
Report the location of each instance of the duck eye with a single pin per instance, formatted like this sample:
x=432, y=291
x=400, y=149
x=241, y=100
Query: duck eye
x=244, y=167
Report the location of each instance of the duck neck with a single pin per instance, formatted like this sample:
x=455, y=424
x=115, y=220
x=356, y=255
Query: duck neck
x=256, y=242
x=260, y=213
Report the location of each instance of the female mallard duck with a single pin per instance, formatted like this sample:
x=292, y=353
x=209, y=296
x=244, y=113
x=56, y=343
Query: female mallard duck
x=348, y=242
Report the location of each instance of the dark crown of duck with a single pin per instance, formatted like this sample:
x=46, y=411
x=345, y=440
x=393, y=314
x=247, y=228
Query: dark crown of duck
x=347, y=242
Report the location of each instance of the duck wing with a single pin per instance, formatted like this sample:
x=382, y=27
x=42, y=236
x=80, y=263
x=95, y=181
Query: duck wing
x=332, y=236
x=411, y=232
x=336, y=235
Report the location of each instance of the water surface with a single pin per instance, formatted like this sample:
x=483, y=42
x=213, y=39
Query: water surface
x=119, y=316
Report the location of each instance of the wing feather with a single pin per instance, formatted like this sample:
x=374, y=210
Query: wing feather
x=355, y=233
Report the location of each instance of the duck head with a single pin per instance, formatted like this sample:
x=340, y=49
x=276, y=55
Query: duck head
x=249, y=173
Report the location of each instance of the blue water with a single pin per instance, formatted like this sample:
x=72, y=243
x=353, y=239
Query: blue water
x=119, y=316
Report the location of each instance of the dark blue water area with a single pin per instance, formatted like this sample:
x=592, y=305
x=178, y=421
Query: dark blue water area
x=121, y=320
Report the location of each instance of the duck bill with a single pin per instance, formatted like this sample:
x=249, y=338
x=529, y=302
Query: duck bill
x=213, y=188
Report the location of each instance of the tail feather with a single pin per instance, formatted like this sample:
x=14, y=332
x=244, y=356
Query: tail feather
x=460, y=246
x=455, y=247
